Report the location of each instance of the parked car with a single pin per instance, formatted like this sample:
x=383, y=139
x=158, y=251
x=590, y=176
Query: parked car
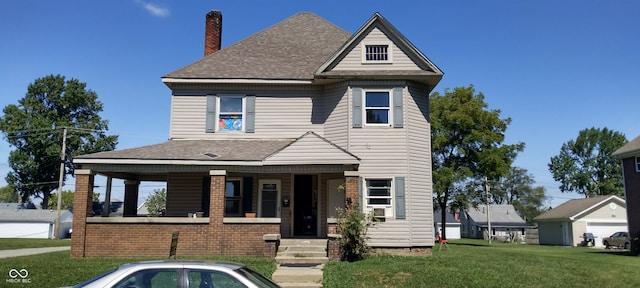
x=618, y=239
x=180, y=274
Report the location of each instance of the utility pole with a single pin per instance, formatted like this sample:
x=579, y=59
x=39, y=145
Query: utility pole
x=486, y=187
x=60, y=180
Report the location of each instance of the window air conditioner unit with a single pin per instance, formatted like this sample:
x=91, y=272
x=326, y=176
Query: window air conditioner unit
x=378, y=212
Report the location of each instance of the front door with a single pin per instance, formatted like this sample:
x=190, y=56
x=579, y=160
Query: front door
x=305, y=206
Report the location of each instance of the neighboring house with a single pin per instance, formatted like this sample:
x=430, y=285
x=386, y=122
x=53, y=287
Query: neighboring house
x=566, y=224
x=289, y=123
x=16, y=221
x=629, y=155
x=453, y=226
x=506, y=224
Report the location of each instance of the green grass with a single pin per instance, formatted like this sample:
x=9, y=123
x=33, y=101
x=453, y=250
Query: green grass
x=474, y=263
x=57, y=269
x=12, y=243
x=469, y=263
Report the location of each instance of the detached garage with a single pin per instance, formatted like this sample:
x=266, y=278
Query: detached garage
x=565, y=225
x=19, y=222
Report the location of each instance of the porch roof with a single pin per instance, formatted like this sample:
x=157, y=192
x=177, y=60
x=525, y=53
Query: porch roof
x=194, y=150
x=308, y=149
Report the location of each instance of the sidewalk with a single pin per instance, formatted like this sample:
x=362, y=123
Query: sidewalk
x=31, y=251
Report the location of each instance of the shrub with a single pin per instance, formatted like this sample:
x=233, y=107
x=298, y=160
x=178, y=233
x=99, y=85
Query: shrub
x=352, y=226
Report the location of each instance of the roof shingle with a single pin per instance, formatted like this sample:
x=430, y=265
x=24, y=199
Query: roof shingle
x=291, y=50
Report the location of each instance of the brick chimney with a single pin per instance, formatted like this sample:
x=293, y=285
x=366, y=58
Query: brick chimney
x=212, y=32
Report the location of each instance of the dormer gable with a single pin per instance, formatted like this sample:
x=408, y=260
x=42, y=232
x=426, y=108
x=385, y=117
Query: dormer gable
x=379, y=50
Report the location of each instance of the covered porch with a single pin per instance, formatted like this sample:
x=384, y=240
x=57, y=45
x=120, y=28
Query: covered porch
x=218, y=207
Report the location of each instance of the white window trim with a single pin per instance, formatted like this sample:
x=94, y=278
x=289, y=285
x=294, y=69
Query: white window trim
x=363, y=48
x=389, y=210
x=219, y=106
x=389, y=108
x=638, y=164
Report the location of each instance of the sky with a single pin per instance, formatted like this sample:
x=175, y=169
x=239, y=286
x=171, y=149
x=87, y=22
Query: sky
x=553, y=67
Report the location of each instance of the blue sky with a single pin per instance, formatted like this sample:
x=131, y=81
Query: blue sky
x=554, y=67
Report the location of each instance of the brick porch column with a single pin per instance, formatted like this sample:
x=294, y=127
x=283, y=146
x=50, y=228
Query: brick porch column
x=352, y=190
x=131, y=198
x=82, y=208
x=216, y=211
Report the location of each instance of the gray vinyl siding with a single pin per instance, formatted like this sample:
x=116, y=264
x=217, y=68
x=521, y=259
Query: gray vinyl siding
x=419, y=201
x=388, y=152
x=310, y=150
x=280, y=112
x=336, y=106
x=353, y=59
x=184, y=194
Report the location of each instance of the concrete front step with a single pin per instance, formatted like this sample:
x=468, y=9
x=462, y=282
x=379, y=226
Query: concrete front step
x=302, y=274
x=301, y=260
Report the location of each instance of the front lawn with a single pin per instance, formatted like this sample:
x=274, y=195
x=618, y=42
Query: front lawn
x=14, y=243
x=57, y=269
x=469, y=263
x=474, y=263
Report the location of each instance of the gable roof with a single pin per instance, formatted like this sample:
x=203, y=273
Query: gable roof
x=501, y=215
x=574, y=208
x=632, y=148
x=289, y=50
x=318, y=150
x=429, y=72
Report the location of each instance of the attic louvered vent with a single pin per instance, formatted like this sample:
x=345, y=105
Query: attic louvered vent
x=376, y=52
x=211, y=155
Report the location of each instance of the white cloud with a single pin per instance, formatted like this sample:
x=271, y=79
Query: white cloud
x=154, y=9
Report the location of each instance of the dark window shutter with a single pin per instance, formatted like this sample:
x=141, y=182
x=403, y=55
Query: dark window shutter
x=206, y=195
x=247, y=194
x=356, y=110
x=210, y=126
x=250, y=121
x=400, y=200
x=397, y=107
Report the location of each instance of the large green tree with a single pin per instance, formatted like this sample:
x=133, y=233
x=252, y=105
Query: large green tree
x=585, y=165
x=467, y=142
x=517, y=188
x=35, y=127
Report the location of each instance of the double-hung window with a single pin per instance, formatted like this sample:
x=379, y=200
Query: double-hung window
x=230, y=113
x=637, y=164
x=378, y=192
x=377, y=107
x=233, y=198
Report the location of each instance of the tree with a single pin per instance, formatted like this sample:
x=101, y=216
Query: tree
x=35, y=126
x=156, y=202
x=67, y=200
x=466, y=142
x=9, y=194
x=585, y=165
x=516, y=188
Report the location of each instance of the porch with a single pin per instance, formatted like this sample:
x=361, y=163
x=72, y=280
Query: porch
x=282, y=201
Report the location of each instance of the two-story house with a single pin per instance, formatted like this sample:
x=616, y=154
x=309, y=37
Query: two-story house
x=290, y=124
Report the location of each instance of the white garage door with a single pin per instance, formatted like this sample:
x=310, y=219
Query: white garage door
x=602, y=230
x=26, y=230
